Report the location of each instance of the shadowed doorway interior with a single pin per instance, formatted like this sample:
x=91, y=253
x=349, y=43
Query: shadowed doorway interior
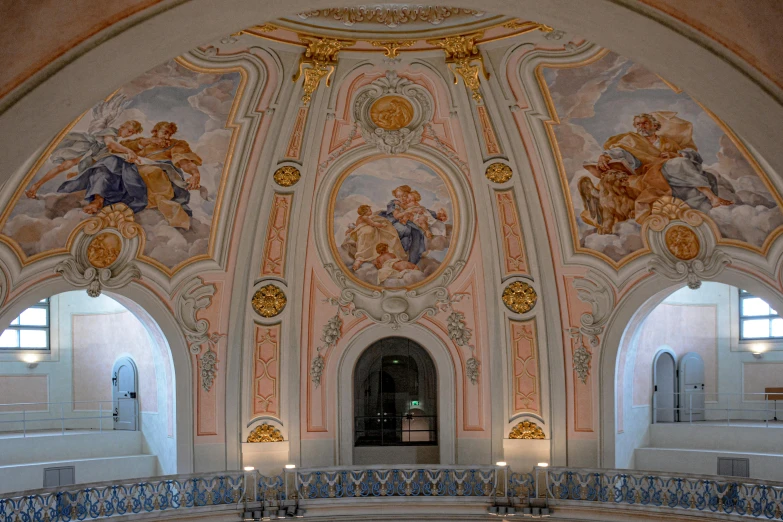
x=395, y=404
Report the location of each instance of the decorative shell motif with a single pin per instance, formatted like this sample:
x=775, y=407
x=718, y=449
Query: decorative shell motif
x=499, y=173
x=526, y=430
x=519, y=297
x=269, y=301
x=287, y=176
x=265, y=433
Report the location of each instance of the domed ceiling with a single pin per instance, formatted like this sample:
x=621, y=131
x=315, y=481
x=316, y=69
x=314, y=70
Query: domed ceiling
x=493, y=183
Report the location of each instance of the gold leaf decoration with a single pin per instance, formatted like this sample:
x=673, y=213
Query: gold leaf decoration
x=269, y=301
x=287, y=176
x=499, y=173
x=682, y=242
x=265, y=433
x=519, y=297
x=526, y=430
x=104, y=249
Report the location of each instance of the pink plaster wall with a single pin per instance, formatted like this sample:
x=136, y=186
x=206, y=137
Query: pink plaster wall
x=98, y=340
x=684, y=328
x=757, y=376
x=15, y=389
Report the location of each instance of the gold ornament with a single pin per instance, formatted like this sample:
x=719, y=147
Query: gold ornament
x=321, y=56
x=392, y=47
x=519, y=297
x=682, y=242
x=287, y=176
x=526, y=430
x=104, y=249
x=265, y=433
x=499, y=173
x=391, y=112
x=269, y=301
x=461, y=53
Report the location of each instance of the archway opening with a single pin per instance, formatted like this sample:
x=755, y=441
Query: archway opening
x=698, y=375
x=87, y=386
x=395, y=404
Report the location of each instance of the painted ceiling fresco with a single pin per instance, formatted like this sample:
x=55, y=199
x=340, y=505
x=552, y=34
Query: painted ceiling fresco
x=626, y=138
x=392, y=221
x=158, y=146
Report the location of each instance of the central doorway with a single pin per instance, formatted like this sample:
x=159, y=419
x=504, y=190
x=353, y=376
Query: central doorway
x=395, y=404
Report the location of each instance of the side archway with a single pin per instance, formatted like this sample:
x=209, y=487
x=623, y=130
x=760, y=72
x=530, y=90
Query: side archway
x=155, y=316
x=628, y=316
x=447, y=393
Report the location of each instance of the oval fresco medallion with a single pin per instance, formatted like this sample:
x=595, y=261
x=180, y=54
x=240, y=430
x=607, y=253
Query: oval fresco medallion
x=104, y=249
x=391, y=112
x=392, y=220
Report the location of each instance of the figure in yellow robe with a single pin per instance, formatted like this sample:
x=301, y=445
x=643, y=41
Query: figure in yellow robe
x=665, y=162
x=163, y=161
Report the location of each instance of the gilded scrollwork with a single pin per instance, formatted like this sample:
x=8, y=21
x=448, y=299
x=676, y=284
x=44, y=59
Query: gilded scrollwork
x=318, y=61
x=392, y=47
x=269, y=301
x=265, y=433
x=527, y=430
x=519, y=297
x=464, y=60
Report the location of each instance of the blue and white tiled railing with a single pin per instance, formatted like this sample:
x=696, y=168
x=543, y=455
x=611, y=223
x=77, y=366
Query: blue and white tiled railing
x=712, y=494
x=484, y=484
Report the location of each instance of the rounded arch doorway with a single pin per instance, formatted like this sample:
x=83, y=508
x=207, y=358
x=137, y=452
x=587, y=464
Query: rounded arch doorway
x=395, y=392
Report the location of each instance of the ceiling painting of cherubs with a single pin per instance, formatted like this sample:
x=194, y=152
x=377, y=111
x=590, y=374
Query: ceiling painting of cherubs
x=627, y=139
x=392, y=220
x=157, y=146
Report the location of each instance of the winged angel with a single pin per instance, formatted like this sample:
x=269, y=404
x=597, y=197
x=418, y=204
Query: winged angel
x=637, y=168
x=105, y=168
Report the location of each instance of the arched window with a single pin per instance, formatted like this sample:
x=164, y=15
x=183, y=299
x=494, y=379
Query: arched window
x=395, y=395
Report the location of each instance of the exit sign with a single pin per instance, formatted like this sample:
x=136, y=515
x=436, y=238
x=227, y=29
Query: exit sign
x=414, y=403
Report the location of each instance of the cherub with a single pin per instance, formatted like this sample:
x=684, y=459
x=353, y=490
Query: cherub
x=86, y=148
x=389, y=265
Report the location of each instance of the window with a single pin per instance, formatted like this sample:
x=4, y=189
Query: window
x=757, y=319
x=395, y=395
x=29, y=331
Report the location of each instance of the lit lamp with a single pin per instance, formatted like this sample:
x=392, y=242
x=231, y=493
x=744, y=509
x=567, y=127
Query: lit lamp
x=758, y=351
x=31, y=360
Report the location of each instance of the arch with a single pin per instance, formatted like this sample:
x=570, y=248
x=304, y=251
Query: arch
x=447, y=391
x=623, y=325
x=160, y=322
x=62, y=86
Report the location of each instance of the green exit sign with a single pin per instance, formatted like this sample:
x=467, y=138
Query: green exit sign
x=414, y=403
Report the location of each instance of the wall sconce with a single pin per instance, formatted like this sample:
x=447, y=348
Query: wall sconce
x=758, y=355
x=31, y=360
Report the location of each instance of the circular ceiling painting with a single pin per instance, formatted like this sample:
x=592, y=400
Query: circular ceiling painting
x=392, y=222
x=391, y=112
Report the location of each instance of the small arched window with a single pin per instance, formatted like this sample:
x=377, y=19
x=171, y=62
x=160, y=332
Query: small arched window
x=395, y=395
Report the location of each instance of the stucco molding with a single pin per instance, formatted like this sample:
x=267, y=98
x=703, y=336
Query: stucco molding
x=397, y=306
x=393, y=141
x=194, y=296
x=708, y=263
x=90, y=265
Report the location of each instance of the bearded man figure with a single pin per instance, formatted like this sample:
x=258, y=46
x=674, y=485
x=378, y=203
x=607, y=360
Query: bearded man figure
x=665, y=160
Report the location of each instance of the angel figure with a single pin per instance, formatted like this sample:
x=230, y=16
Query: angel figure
x=105, y=168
